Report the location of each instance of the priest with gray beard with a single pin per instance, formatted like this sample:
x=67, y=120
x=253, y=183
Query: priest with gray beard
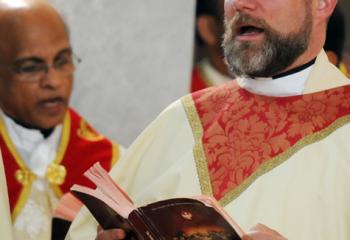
x=271, y=147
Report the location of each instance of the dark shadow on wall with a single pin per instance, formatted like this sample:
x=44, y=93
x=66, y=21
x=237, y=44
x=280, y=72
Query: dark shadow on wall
x=345, y=5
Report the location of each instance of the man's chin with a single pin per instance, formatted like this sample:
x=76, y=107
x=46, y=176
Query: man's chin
x=48, y=122
x=248, y=66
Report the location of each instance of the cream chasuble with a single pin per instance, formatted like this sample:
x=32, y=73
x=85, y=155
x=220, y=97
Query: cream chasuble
x=302, y=191
x=5, y=226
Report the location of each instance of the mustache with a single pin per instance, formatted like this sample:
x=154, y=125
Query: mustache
x=244, y=19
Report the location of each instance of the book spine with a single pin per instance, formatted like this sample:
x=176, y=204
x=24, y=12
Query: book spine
x=139, y=223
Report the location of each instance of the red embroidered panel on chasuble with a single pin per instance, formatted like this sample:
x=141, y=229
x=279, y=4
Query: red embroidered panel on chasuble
x=242, y=131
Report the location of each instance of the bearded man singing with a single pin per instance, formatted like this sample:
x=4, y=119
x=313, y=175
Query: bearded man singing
x=271, y=146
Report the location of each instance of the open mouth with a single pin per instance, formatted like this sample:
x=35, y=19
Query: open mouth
x=52, y=102
x=248, y=30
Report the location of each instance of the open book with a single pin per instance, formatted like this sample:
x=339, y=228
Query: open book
x=175, y=219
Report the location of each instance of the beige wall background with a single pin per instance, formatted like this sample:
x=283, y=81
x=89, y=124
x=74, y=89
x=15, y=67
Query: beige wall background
x=136, y=59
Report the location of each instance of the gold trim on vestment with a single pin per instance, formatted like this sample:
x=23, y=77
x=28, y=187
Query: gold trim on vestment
x=198, y=151
x=87, y=133
x=115, y=154
x=281, y=158
x=202, y=163
x=23, y=175
x=22, y=199
x=61, y=151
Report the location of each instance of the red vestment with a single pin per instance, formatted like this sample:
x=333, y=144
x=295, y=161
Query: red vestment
x=80, y=147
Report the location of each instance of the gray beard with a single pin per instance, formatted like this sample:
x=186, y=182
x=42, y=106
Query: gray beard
x=268, y=58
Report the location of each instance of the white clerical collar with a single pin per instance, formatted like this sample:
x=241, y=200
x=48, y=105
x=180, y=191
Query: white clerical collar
x=211, y=74
x=280, y=86
x=29, y=141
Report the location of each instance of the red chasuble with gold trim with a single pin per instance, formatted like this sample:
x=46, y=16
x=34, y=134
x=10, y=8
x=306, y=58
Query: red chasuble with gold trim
x=80, y=147
x=240, y=136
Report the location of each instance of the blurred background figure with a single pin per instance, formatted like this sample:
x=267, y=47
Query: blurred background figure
x=210, y=68
x=335, y=40
x=45, y=145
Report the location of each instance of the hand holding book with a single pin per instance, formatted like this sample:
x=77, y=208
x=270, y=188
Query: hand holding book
x=175, y=219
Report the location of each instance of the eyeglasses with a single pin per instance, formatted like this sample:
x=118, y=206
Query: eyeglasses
x=34, y=69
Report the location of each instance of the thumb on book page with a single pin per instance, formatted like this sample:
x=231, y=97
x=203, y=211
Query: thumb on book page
x=110, y=234
x=262, y=232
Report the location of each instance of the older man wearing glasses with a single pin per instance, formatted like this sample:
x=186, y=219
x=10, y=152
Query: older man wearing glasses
x=46, y=146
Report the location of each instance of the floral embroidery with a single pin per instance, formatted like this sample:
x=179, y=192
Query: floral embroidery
x=313, y=111
x=241, y=131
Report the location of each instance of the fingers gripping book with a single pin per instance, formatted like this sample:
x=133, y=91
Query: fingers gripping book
x=174, y=219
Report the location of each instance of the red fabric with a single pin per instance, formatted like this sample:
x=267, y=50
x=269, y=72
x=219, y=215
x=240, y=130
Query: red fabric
x=13, y=186
x=79, y=156
x=197, y=81
x=82, y=154
x=241, y=131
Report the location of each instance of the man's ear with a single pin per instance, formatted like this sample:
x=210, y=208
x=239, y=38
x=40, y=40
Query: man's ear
x=325, y=8
x=208, y=29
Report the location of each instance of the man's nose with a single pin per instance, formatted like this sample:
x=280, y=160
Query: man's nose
x=53, y=79
x=245, y=6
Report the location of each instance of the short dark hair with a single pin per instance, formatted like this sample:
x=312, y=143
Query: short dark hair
x=207, y=7
x=335, y=37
